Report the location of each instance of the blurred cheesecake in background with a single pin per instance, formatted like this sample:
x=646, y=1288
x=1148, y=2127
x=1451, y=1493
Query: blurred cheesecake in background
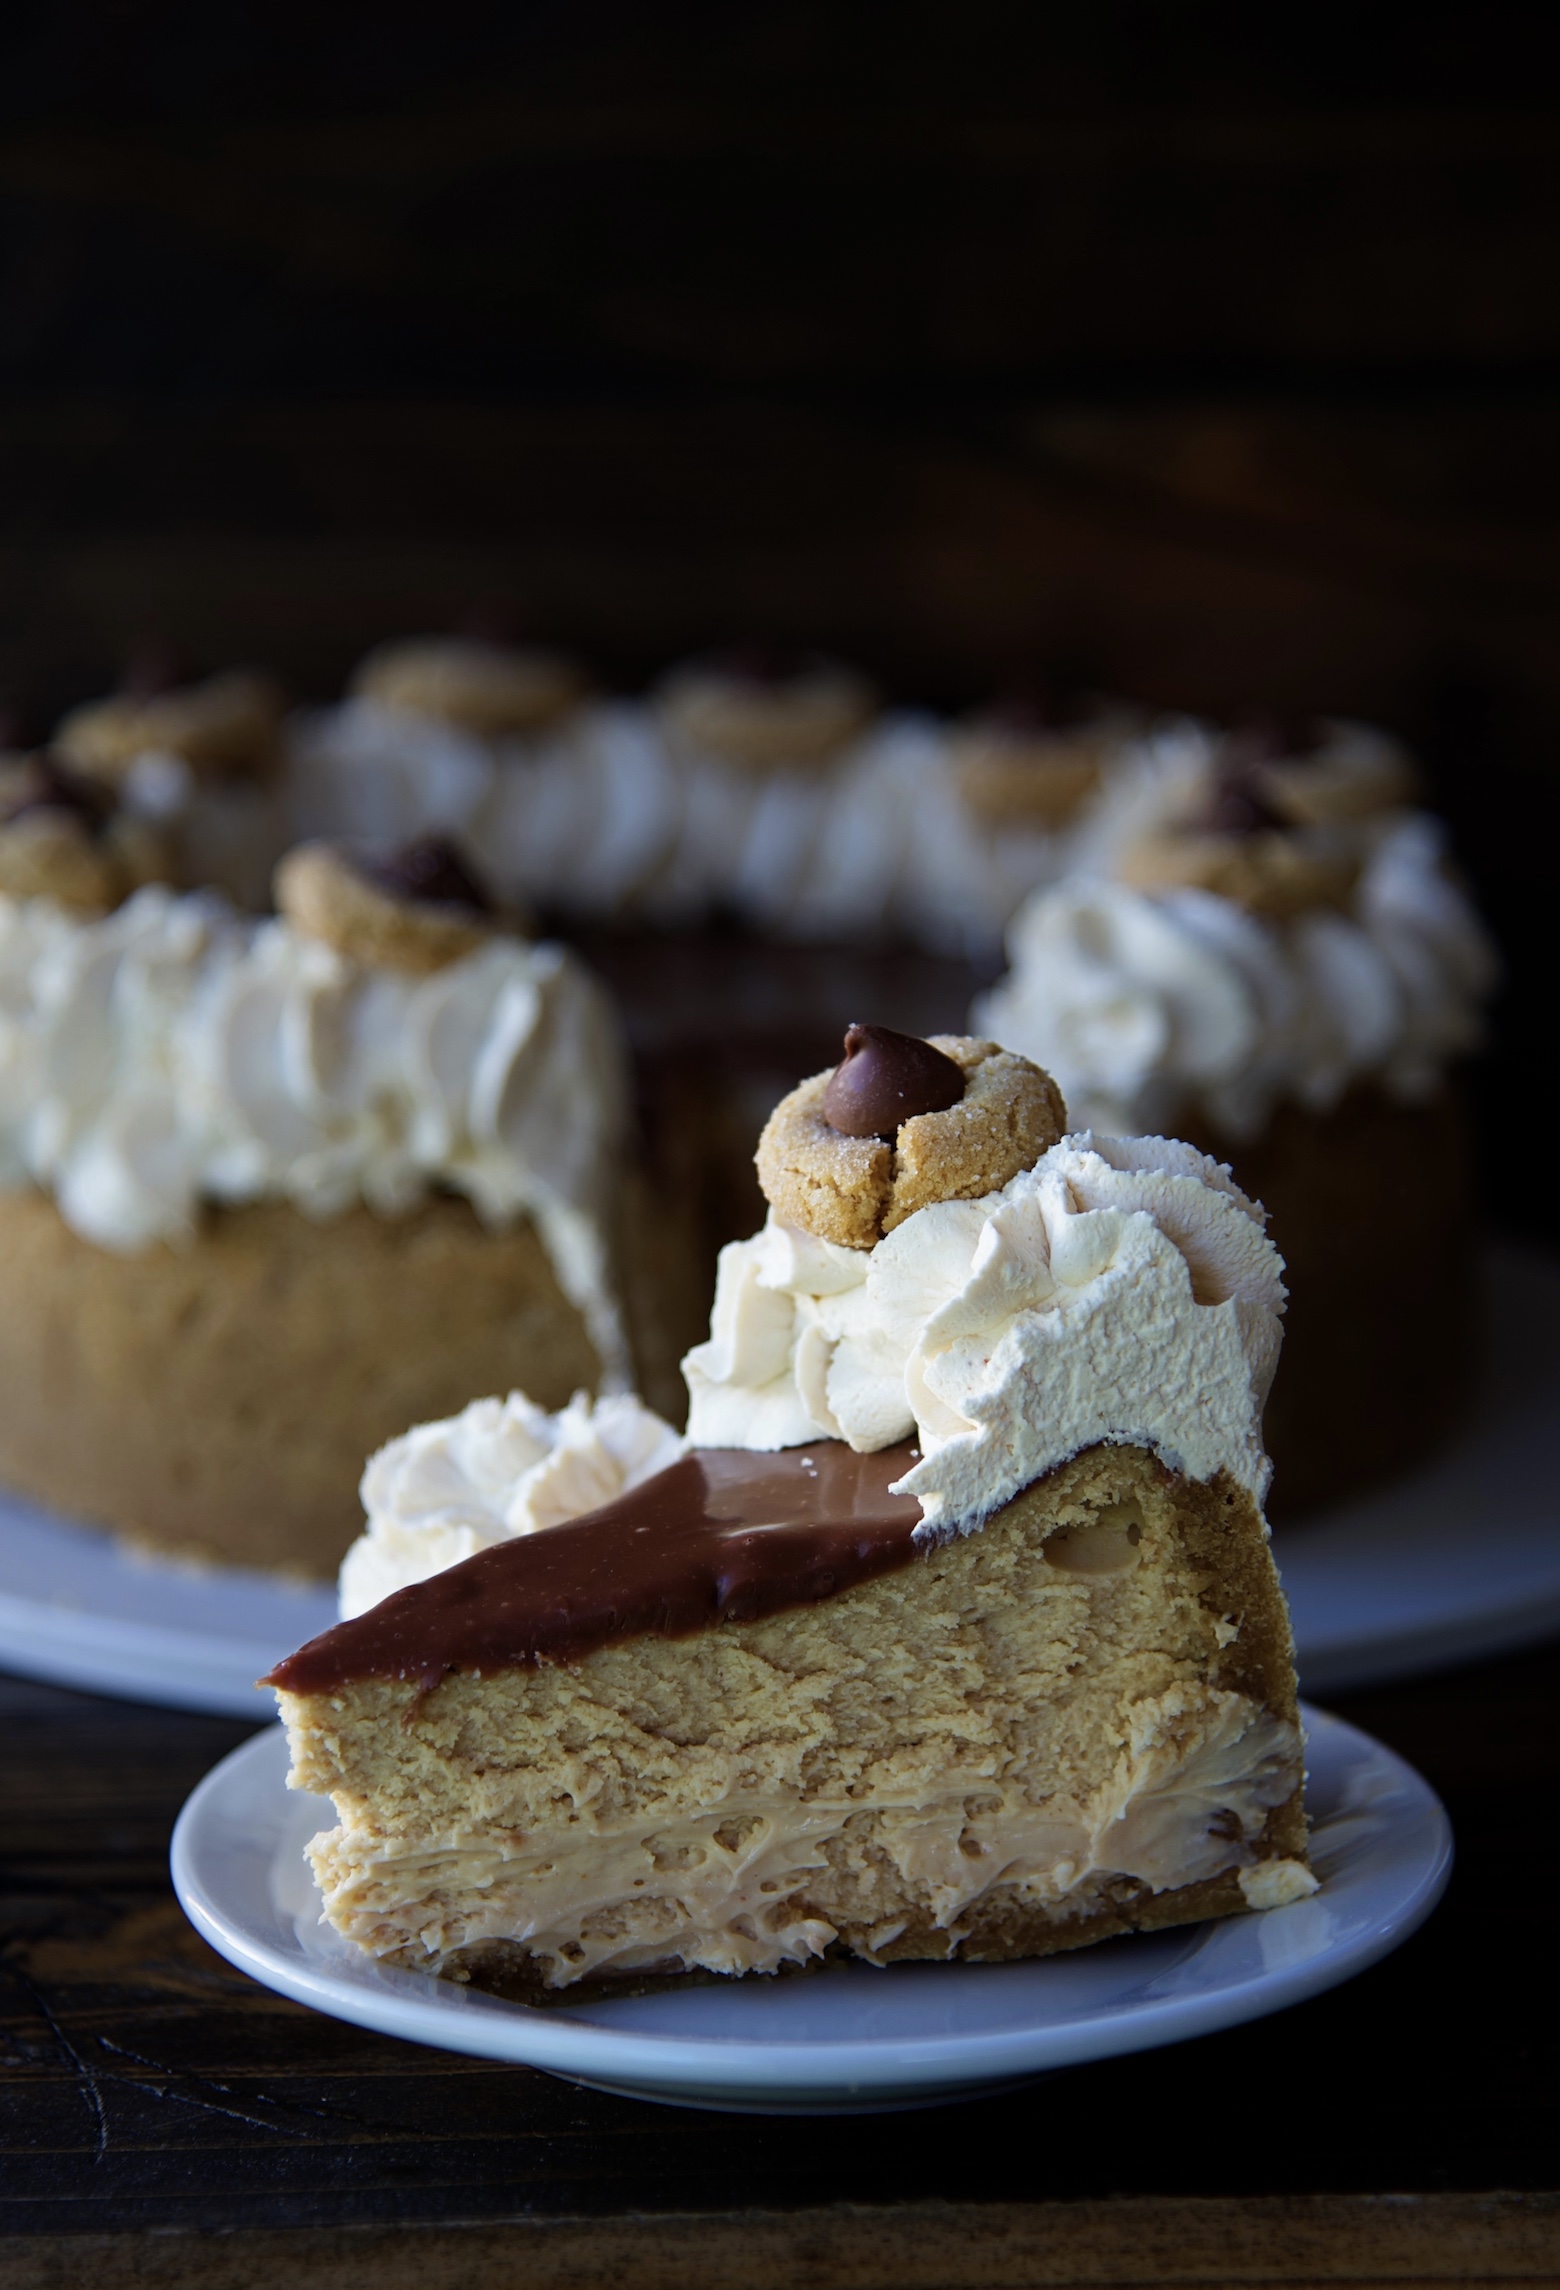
x=1265, y=949
x=1249, y=936
x=270, y=1190
x=767, y=789
x=502, y=747
x=427, y=734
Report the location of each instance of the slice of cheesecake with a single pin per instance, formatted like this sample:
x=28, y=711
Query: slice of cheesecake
x=972, y=1648
x=743, y=1718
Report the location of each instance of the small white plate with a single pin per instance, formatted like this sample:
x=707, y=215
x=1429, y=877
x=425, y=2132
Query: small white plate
x=850, y=2040
x=1458, y=1562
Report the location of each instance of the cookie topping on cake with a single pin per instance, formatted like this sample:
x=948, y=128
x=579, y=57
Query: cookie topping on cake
x=1321, y=774
x=63, y=838
x=416, y=912
x=44, y=783
x=1239, y=805
x=492, y=690
x=1241, y=848
x=1030, y=764
x=886, y=1078
x=853, y=1187
x=766, y=714
x=227, y=727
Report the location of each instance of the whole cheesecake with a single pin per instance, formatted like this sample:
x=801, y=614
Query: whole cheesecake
x=952, y=1633
x=267, y=1191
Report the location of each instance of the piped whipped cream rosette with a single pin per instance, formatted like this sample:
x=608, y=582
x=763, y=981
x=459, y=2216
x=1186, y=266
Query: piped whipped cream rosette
x=499, y=1469
x=1122, y=1289
x=1145, y=1003
x=781, y=791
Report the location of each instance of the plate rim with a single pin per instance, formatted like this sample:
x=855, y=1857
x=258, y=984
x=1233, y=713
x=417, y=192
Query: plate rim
x=668, y=2066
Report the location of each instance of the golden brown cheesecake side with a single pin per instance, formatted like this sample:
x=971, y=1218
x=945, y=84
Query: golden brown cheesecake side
x=220, y=1400
x=1076, y=1722
x=1371, y=1207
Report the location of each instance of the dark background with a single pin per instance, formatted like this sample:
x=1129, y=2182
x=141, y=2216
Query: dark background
x=1208, y=352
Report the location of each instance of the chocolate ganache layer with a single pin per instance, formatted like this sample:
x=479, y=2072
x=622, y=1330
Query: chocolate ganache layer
x=724, y=1535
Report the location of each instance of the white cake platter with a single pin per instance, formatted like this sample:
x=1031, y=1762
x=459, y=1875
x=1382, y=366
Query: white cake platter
x=80, y=1609
x=1460, y=1561
x=854, y=2039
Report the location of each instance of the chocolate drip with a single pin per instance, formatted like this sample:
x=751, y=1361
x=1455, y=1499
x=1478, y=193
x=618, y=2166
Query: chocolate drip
x=724, y=1535
x=431, y=872
x=885, y=1078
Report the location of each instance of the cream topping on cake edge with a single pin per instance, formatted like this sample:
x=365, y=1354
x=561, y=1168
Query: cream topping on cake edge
x=603, y=812
x=174, y=1053
x=1122, y=1289
x=499, y=1469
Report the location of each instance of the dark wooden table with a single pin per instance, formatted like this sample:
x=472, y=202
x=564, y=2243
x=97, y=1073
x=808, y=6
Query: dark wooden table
x=167, y=2122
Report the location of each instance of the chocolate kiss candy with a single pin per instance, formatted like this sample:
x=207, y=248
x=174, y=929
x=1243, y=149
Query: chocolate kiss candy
x=885, y=1078
x=432, y=872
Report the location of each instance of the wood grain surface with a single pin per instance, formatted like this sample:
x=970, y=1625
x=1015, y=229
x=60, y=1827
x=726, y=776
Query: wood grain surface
x=163, y=2120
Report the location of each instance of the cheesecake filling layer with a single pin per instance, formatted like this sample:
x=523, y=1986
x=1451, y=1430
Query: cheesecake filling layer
x=732, y=1888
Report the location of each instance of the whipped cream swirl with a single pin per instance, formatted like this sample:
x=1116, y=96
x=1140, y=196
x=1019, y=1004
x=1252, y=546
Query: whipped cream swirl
x=1145, y=1004
x=501, y=1468
x=175, y=1053
x=606, y=813
x=1123, y=1289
